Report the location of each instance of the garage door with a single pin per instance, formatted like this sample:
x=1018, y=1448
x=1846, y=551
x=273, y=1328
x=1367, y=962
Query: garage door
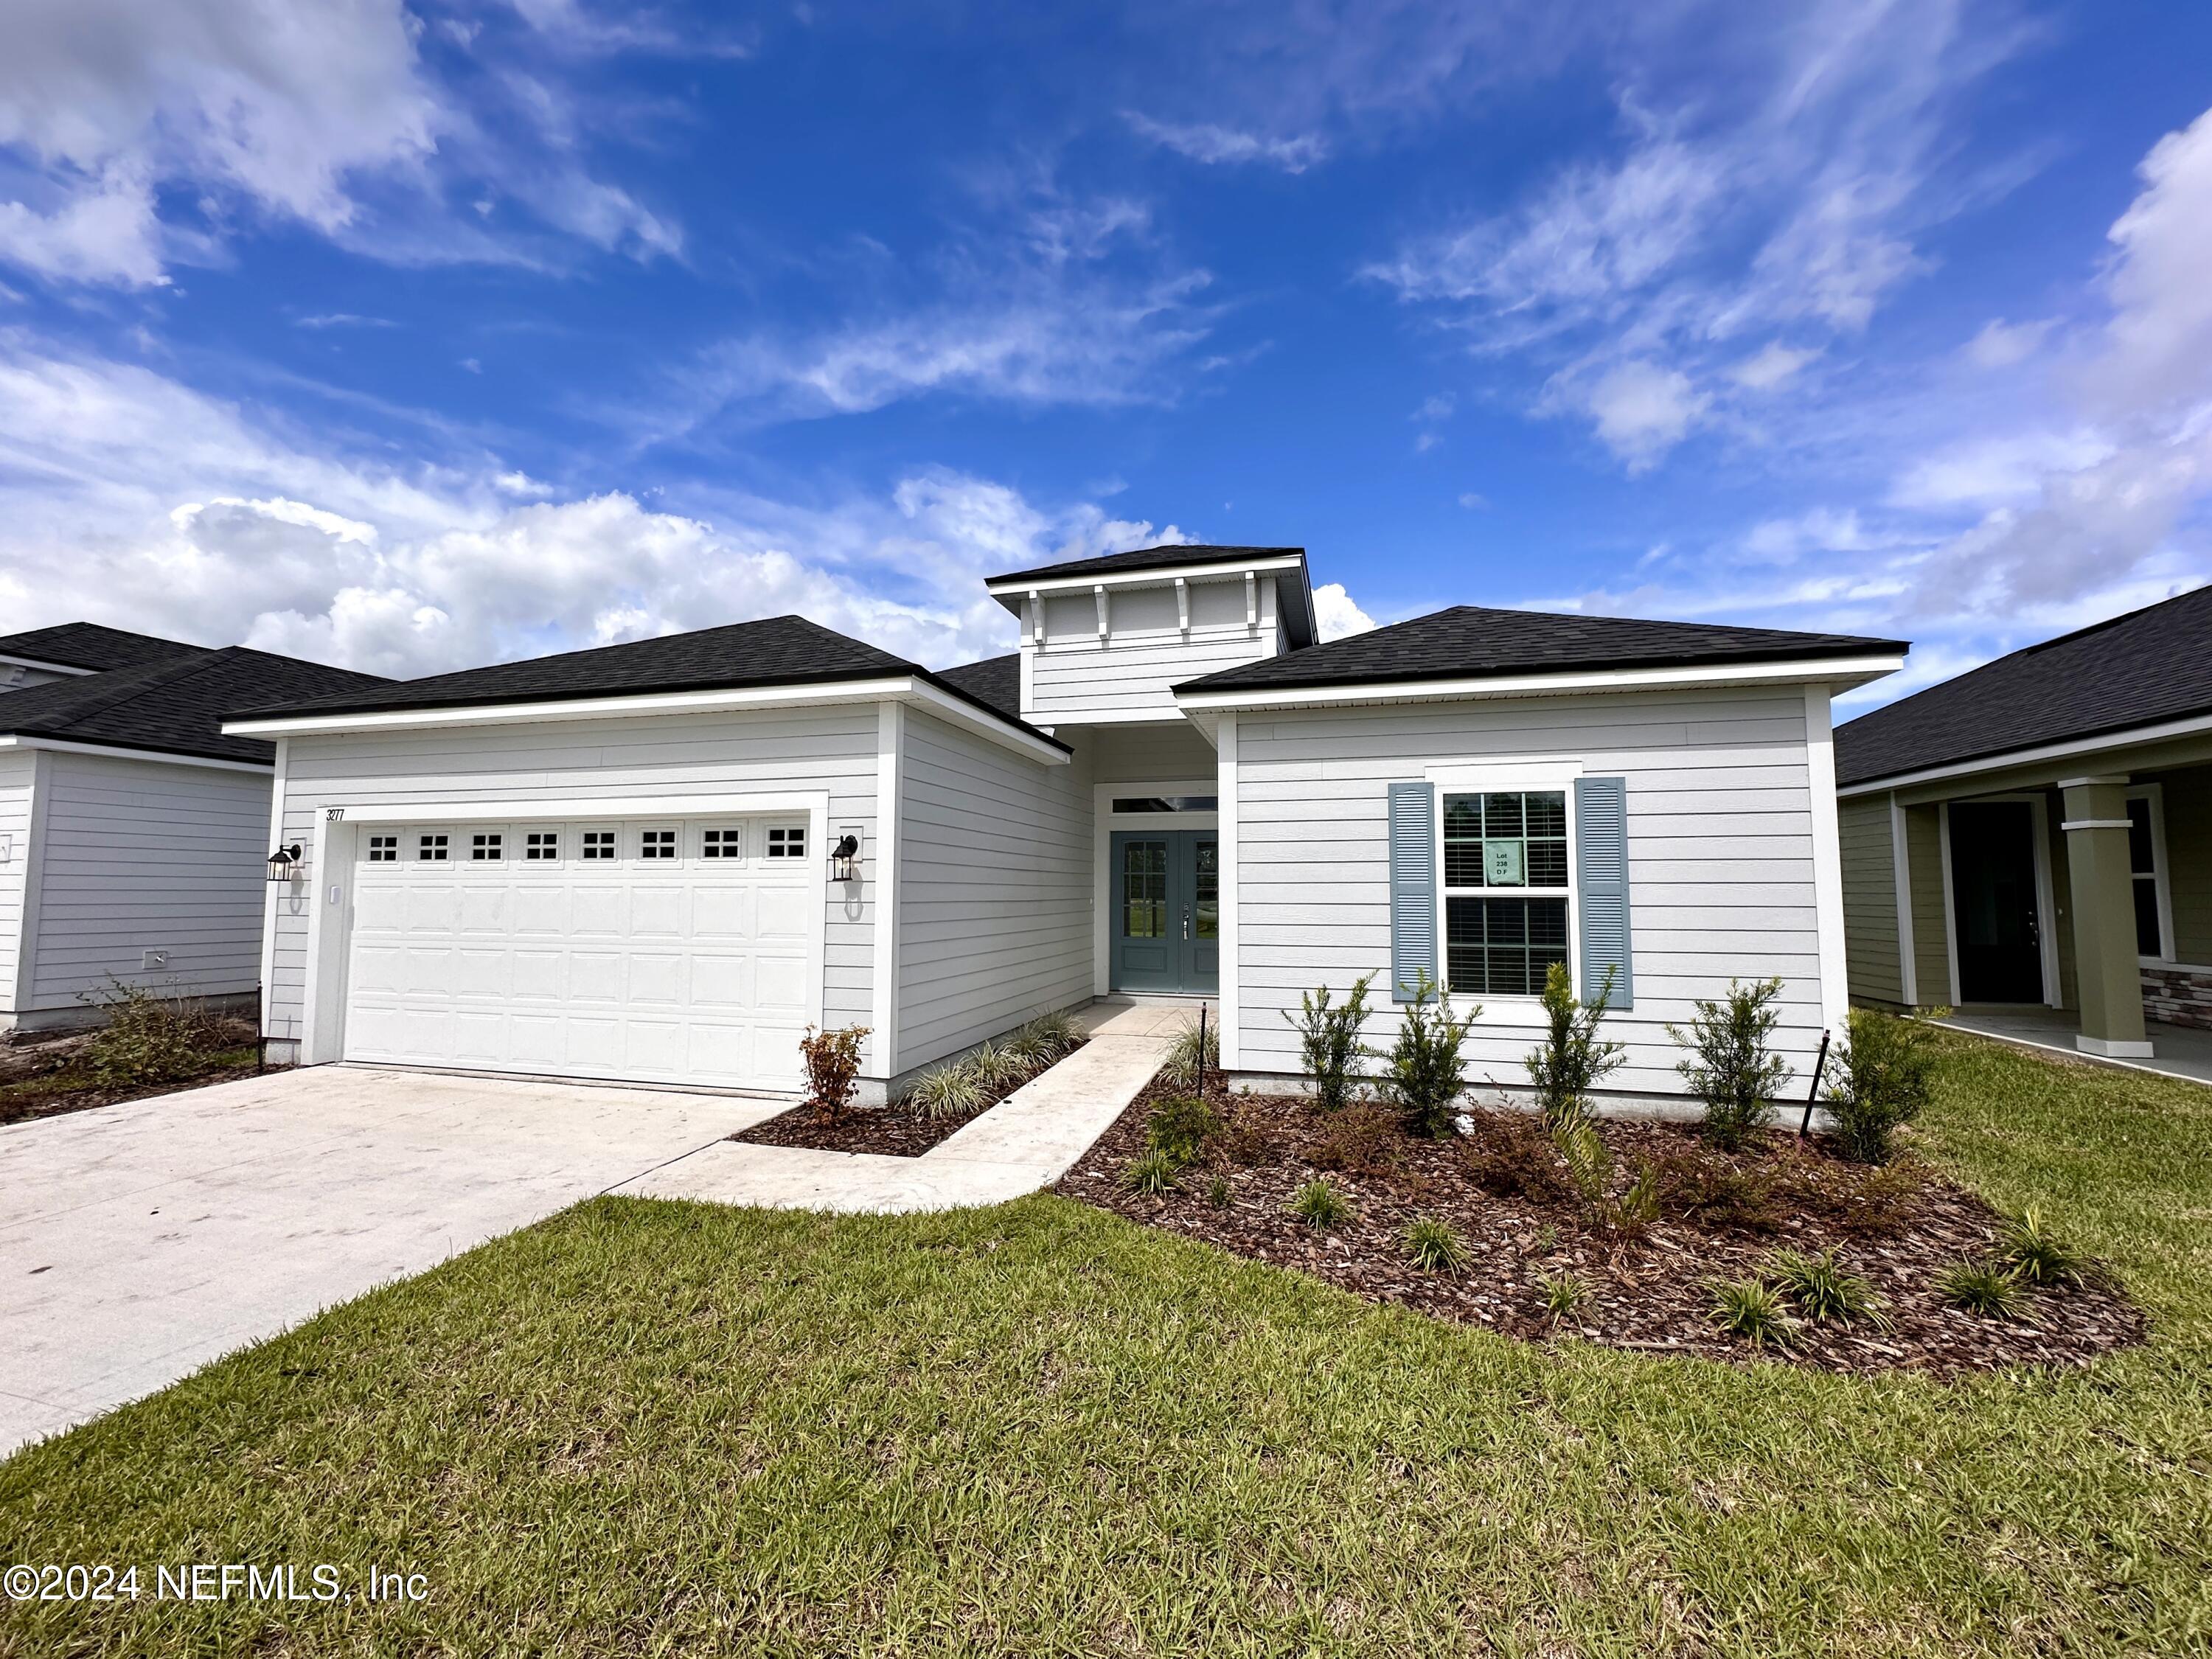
x=665, y=951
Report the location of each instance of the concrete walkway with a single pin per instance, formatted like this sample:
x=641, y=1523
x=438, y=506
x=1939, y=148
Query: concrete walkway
x=2176, y=1050
x=1028, y=1141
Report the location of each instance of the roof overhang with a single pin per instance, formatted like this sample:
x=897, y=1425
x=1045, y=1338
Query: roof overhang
x=2177, y=742
x=1835, y=672
x=127, y=751
x=10, y=659
x=910, y=689
x=1293, y=590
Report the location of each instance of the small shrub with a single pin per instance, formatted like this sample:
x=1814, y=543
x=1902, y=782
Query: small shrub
x=1547, y=1239
x=1361, y=1139
x=1329, y=1041
x=996, y=1068
x=1821, y=1290
x=1188, y=1062
x=148, y=1038
x=1880, y=1078
x=1319, y=1204
x=1729, y=1067
x=1423, y=1077
x=1241, y=1140
x=948, y=1091
x=1982, y=1287
x=1510, y=1155
x=1573, y=1059
x=1701, y=1186
x=833, y=1067
x=1179, y=1126
x=1217, y=1192
x=1753, y=1311
x=1151, y=1173
x=1044, y=1040
x=1434, y=1248
x=1633, y=1213
x=2035, y=1256
x=1562, y=1293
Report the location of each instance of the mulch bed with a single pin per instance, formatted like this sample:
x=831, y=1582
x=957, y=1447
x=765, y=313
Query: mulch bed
x=42, y=1079
x=1504, y=1191
x=894, y=1131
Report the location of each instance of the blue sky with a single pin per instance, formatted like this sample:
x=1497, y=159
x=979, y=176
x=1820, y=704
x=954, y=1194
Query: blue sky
x=413, y=336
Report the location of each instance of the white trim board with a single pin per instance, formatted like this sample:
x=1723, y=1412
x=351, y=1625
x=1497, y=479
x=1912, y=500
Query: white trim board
x=818, y=694
x=1828, y=860
x=119, y=751
x=882, y=873
x=1165, y=575
x=1226, y=997
x=1829, y=673
x=577, y=807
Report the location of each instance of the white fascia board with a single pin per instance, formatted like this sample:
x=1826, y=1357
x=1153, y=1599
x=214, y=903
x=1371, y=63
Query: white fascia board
x=1829, y=671
x=632, y=807
x=902, y=687
x=1158, y=576
x=151, y=757
x=2135, y=737
x=10, y=661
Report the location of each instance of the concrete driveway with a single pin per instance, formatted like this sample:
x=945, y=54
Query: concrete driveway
x=139, y=1241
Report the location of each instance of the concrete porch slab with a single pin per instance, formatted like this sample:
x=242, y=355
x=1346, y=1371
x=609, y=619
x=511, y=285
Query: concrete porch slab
x=2178, y=1051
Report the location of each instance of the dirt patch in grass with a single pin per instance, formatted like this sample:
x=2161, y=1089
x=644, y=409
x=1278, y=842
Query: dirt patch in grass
x=1510, y=1202
x=47, y=1077
x=898, y=1130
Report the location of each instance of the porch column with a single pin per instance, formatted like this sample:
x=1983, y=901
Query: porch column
x=2105, y=965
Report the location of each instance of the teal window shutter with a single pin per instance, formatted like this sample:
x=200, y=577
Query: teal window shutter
x=1602, y=887
x=1413, y=887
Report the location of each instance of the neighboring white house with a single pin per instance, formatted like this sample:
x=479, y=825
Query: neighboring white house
x=133, y=833
x=661, y=862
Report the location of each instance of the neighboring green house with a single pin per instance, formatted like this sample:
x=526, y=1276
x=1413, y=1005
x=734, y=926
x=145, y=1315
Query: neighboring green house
x=2036, y=833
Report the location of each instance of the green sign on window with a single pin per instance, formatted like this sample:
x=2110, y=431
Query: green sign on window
x=1504, y=863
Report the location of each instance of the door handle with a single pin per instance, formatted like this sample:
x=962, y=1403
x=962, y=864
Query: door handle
x=1186, y=921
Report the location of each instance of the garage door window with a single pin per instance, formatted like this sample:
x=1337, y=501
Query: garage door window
x=599, y=844
x=723, y=843
x=430, y=849
x=784, y=844
x=541, y=846
x=486, y=848
x=384, y=849
x=656, y=844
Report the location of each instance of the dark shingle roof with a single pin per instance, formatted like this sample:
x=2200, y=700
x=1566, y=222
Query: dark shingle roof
x=995, y=680
x=1152, y=558
x=2150, y=666
x=175, y=705
x=1472, y=643
x=774, y=651
x=88, y=645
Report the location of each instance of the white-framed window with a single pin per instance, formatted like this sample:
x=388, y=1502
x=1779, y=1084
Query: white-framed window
x=599, y=844
x=1507, y=889
x=431, y=848
x=656, y=843
x=723, y=843
x=2147, y=874
x=384, y=849
x=541, y=846
x=489, y=847
x=788, y=841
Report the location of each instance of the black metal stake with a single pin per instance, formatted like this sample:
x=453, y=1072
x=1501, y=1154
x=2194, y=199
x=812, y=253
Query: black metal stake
x=1819, y=1066
x=1201, y=1050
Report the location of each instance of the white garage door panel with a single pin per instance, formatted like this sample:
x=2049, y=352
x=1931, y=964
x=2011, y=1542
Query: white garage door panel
x=688, y=970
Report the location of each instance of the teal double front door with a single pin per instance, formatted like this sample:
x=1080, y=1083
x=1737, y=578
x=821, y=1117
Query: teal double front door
x=1167, y=911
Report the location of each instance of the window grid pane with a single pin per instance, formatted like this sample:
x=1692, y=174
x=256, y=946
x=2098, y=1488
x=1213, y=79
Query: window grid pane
x=1489, y=838
x=1502, y=946
x=725, y=843
x=599, y=844
x=383, y=849
x=542, y=844
x=787, y=843
x=1145, y=889
x=656, y=844
x=430, y=849
x=485, y=849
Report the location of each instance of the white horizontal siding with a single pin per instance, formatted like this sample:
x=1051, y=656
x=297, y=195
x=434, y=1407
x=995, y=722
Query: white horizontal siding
x=1074, y=675
x=1150, y=754
x=994, y=884
x=828, y=750
x=16, y=771
x=145, y=855
x=1720, y=834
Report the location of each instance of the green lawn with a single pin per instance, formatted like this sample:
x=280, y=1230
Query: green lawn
x=644, y=1428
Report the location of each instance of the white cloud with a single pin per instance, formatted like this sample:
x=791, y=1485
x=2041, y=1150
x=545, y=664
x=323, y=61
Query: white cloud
x=2001, y=344
x=138, y=129
x=1775, y=365
x=128, y=498
x=1219, y=145
x=1983, y=472
x=1475, y=502
x=1335, y=613
x=2158, y=348
x=1642, y=411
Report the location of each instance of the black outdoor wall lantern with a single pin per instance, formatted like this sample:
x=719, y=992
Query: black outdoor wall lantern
x=284, y=863
x=841, y=856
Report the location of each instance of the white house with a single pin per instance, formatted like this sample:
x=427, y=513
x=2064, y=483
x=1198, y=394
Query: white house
x=661, y=862
x=133, y=832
